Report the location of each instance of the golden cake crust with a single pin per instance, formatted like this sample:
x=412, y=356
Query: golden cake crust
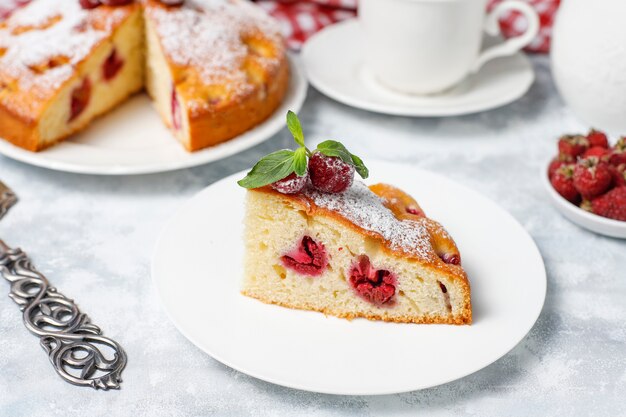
x=35, y=63
x=435, y=242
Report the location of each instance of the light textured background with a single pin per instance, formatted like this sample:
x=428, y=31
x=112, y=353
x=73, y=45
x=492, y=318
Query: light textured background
x=94, y=236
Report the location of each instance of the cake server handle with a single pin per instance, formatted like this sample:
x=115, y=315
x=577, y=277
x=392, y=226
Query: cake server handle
x=76, y=347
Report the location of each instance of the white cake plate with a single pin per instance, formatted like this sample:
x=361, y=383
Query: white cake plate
x=197, y=269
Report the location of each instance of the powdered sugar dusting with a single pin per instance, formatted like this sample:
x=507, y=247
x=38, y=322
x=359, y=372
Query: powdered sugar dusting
x=208, y=35
x=47, y=30
x=365, y=209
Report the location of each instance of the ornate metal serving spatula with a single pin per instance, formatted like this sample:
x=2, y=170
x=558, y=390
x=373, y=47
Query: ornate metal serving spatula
x=76, y=348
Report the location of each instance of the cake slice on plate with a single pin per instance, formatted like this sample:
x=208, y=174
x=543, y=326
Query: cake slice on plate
x=317, y=240
x=61, y=66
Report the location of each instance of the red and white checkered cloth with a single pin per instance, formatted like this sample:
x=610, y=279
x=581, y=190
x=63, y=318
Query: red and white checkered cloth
x=513, y=23
x=302, y=18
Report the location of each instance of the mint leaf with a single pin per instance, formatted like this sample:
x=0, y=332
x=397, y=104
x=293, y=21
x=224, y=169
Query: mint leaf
x=269, y=169
x=334, y=148
x=300, y=161
x=360, y=167
x=295, y=128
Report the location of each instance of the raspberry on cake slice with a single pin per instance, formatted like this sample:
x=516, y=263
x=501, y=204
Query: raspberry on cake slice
x=345, y=249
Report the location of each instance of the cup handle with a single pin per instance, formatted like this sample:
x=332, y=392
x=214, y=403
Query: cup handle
x=512, y=45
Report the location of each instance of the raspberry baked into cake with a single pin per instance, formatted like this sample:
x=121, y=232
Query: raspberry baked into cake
x=214, y=68
x=318, y=240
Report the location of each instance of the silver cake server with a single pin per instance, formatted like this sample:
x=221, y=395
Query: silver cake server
x=76, y=348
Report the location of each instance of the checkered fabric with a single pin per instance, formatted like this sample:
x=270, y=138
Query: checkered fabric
x=302, y=18
x=513, y=23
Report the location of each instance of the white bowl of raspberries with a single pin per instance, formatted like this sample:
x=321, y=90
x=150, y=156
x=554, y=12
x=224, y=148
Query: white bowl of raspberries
x=587, y=182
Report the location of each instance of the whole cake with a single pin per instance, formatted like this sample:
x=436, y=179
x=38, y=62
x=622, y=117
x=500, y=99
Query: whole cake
x=214, y=68
x=317, y=240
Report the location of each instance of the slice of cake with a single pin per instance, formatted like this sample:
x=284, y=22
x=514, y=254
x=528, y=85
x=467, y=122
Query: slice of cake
x=61, y=66
x=215, y=69
x=354, y=251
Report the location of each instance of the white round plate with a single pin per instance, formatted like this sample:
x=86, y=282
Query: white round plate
x=333, y=60
x=197, y=269
x=584, y=219
x=133, y=140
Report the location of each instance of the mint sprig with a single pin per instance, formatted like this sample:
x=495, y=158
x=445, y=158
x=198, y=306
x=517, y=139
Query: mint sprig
x=272, y=168
x=282, y=163
x=293, y=124
x=334, y=148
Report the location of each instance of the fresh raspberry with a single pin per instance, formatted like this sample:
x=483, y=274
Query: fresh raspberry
x=573, y=145
x=592, y=177
x=597, y=138
x=451, y=258
x=329, y=173
x=611, y=204
x=555, y=164
x=80, y=99
x=291, y=184
x=116, y=2
x=619, y=174
x=112, y=65
x=597, y=151
x=563, y=182
x=415, y=210
x=89, y=4
x=376, y=286
x=309, y=258
x=618, y=153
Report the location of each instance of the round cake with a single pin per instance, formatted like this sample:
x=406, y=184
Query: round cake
x=214, y=68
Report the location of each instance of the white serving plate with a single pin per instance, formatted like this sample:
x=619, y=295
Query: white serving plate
x=197, y=269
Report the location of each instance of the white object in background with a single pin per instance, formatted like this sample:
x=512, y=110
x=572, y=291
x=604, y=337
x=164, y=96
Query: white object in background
x=589, y=61
x=584, y=219
x=197, y=268
x=428, y=46
x=133, y=140
x=333, y=60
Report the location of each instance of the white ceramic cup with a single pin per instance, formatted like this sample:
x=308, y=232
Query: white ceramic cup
x=428, y=46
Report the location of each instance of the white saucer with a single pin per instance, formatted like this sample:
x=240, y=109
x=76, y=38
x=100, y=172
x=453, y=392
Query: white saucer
x=197, y=270
x=334, y=65
x=133, y=140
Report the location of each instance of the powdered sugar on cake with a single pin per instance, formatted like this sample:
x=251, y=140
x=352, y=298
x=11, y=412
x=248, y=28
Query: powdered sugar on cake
x=365, y=209
x=45, y=31
x=209, y=36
